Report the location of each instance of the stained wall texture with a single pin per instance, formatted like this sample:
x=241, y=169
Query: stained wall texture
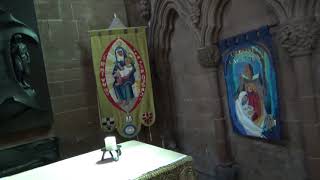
x=63, y=26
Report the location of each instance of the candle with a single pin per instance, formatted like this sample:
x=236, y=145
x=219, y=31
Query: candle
x=110, y=143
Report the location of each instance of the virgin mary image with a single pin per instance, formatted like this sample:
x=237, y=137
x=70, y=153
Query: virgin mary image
x=123, y=73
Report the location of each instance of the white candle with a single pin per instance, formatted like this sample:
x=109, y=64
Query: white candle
x=110, y=143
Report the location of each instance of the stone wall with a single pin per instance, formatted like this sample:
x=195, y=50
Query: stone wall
x=194, y=99
x=316, y=79
x=133, y=13
x=186, y=96
x=63, y=26
x=194, y=95
x=181, y=37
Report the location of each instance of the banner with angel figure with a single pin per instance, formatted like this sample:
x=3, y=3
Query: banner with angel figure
x=251, y=84
x=124, y=88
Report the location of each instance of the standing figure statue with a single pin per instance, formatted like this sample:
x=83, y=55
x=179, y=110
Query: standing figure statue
x=21, y=60
x=16, y=91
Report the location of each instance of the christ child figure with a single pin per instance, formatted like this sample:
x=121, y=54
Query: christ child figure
x=127, y=69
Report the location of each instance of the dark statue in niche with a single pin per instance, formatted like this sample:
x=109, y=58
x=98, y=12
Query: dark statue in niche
x=21, y=60
x=16, y=92
x=25, y=107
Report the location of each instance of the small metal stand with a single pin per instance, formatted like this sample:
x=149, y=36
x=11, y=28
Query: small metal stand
x=115, y=158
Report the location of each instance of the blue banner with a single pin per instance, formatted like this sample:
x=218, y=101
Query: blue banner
x=251, y=84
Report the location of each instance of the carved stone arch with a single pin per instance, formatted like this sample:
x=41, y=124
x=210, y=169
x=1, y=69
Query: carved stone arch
x=298, y=33
x=209, y=56
x=212, y=18
x=298, y=30
x=279, y=8
x=287, y=10
x=163, y=18
x=206, y=31
x=161, y=24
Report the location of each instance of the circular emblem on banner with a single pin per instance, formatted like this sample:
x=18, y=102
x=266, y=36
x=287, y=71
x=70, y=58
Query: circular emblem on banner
x=130, y=130
x=123, y=75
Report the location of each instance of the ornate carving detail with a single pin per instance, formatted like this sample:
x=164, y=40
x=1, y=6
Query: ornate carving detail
x=211, y=13
x=145, y=9
x=187, y=173
x=285, y=9
x=299, y=37
x=195, y=12
x=182, y=170
x=209, y=56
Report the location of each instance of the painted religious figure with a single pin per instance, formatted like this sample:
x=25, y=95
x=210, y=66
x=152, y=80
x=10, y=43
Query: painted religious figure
x=252, y=93
x=123, y=75
x=124, y=87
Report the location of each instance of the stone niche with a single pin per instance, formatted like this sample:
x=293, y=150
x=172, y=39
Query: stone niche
x=24, y=97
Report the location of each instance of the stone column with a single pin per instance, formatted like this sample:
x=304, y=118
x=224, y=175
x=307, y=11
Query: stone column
x=209, y=57
x=298, y=37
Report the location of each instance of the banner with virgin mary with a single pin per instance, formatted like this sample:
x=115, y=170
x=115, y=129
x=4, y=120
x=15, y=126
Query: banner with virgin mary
x=251, y=84
x=121, y=64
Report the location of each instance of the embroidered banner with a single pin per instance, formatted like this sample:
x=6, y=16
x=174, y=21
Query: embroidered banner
x=251, y=83
x=122, y=72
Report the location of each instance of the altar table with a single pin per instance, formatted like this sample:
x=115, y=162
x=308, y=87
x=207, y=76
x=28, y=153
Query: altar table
x=139, y=161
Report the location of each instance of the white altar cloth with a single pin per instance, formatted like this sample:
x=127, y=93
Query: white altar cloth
x=137, y=159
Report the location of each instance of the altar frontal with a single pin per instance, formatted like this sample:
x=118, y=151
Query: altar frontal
x=251, y=84
x=121, y=65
